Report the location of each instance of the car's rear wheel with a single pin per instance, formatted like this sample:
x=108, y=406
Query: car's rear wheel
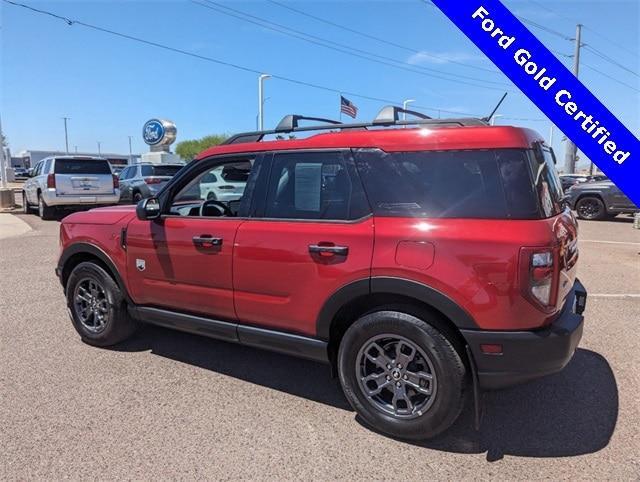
x=97, y=306
x=591, y=208
x=402, y=375
x=45, y=212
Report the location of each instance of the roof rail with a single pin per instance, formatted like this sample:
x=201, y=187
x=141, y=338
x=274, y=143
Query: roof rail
x=388, y=116
x=290, y=122
x=390, y=113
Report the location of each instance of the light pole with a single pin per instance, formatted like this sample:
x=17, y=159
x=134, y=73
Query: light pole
x=66, y=136
x=98, y=147
x=130, y=153
x=405, y=103
x=261, y=80
x=493, y=119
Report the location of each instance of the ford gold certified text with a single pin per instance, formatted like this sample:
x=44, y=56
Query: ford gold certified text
x=562, y=96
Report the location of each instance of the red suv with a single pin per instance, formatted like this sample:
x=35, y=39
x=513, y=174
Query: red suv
x=416, y=260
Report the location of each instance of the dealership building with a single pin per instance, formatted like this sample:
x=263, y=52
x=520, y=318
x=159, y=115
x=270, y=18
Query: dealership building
x=28, y=158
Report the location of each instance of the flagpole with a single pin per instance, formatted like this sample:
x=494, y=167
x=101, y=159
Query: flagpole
x=340, y=106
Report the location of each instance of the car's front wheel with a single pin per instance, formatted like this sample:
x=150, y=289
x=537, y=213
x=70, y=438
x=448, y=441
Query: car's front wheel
x=591, y=208
x=401, y=374
x=97, y=306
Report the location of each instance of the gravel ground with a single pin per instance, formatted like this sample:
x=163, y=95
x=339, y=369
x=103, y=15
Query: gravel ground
x=173, y=405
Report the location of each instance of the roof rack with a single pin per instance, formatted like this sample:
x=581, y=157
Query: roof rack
x=388, y=116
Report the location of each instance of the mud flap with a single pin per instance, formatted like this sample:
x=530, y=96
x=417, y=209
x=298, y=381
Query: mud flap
x=477, y=394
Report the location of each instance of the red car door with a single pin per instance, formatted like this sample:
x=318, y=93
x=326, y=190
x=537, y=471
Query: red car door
x=183, y=260
x=312, y=235
x=168, y=266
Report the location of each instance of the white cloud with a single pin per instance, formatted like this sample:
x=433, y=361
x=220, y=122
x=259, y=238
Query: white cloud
x=427, y=57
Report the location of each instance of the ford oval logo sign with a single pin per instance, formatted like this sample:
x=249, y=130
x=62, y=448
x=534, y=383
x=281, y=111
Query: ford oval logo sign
x=153, y=132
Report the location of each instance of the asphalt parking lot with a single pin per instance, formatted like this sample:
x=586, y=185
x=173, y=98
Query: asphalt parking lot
x=173, y=405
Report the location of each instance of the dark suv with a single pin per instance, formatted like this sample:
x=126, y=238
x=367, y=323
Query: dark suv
x=143, y=180
x=599, y=200
x=416, y=262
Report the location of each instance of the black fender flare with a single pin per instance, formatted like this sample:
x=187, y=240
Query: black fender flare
x=396, y=286
x=93, y=250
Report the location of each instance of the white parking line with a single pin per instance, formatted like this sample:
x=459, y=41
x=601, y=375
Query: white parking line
x=614, y=295
x=607, y=242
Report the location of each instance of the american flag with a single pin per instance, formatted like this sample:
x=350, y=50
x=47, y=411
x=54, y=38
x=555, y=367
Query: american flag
x=348, y=107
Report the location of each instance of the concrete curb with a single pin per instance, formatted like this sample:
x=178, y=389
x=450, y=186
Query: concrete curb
x=11, y=226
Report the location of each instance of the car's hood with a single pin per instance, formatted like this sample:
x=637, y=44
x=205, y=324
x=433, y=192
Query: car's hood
x=599, y=185
x=108, y=215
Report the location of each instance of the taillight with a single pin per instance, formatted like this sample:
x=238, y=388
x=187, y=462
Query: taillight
x=51, y=181
x=539, y=277
x=116, y=181
x=153, y=180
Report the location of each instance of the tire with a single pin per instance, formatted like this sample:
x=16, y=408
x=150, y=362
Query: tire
x=591, y=208
x=26, y=209
x=137, y=197
x=113, y=324
x=431, y=414
x=45, y=212
x=211, y=196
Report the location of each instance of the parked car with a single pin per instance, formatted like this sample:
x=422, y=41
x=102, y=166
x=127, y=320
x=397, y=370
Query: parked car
x=20, y=173
x=224, y=184
x=143, y=180
x=568, y=180
x=417, y=262
x=599, y=200
x=69, y=181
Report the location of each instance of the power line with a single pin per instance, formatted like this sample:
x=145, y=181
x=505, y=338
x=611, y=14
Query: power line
x=355, y=52
x=605, y=57
x=72, y=22
x=381, y=40
x=604, y=37
x=610, y=77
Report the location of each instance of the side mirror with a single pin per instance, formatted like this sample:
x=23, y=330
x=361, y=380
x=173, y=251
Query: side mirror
x=148, y=209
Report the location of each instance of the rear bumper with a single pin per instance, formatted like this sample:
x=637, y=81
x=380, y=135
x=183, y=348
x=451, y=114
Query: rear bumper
x=51, y=198
x=527, y=355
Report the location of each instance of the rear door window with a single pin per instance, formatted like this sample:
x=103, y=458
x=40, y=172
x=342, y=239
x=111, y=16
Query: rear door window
x=82, y=166
x=314, y=185
x=171, y=171
x=438, y=184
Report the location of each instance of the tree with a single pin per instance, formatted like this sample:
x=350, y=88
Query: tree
x=189, y=149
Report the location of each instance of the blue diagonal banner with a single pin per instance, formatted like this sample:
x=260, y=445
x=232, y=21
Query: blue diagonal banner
x=552, y=87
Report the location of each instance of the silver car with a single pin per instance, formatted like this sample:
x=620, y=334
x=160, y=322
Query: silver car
x=69, y=181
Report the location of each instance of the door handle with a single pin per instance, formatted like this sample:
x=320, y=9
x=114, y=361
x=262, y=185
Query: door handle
x=328, y=250
x=207, y=241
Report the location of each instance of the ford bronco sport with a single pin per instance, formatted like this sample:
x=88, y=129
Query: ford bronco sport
x=417, y=262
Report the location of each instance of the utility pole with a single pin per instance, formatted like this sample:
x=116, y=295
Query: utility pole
x=571, y=149
x=98, y=147
x=66, y=136
x=3, y=168
x=261, y=80
x=130, y=153
x=405, y=103
x=493, y=119
x=551, y=136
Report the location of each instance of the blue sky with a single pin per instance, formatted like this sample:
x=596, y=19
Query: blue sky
x=110, y=86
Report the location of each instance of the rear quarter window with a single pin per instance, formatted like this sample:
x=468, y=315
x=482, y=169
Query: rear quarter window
x=82, y=166
x=436, y=184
